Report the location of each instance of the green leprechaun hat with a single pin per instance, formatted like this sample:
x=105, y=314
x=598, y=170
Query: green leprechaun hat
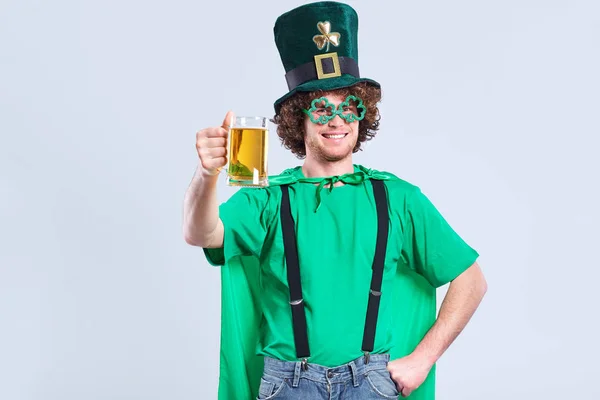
x=318, y=45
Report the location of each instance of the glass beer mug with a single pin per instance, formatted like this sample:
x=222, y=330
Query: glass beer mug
x=247, y=150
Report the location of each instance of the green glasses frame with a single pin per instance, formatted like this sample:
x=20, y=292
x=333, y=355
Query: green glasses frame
x=323, y=119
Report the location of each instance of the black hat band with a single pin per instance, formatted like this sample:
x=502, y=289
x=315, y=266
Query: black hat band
x=325, y=66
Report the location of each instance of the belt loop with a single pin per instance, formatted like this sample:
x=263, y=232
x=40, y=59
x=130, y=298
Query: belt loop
x=354, y=373
x=297, y=372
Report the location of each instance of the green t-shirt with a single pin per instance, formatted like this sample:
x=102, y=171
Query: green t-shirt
x=336, y=245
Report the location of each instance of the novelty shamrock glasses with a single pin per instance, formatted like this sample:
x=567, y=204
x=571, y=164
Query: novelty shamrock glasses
x=322, y=111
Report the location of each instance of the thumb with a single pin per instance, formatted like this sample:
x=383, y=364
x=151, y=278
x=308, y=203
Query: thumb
x=228, y=120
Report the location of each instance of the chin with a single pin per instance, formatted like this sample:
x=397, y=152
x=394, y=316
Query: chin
x=330, y=153
x=333, y=157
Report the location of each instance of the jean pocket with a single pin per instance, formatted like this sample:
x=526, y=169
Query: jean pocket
x=381, y=383
x=270, y=387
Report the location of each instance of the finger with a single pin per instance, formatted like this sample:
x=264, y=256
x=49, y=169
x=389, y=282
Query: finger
x=216, y=132
x=216, y=152
x=399, y=387
x=405, y=392
x=227, y=121
x=214, y=142
x=207, y=154
x=214, y=163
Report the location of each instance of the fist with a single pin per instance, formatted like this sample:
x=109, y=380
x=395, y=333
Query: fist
x=211, y=145
x=408, y=373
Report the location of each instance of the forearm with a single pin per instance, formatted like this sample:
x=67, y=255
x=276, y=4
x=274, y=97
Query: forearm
x=201, y=223
x=462, y=299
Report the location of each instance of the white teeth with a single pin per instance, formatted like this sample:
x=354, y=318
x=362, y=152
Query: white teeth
x=334, y=136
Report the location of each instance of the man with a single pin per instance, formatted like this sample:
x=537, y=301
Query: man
x=329, y=274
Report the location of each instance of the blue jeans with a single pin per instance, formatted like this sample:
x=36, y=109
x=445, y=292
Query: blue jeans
x=352, y=381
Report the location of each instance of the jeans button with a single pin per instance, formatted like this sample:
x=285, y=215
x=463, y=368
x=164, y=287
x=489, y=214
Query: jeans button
x=330, y=374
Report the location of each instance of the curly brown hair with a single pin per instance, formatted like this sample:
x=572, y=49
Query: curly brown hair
x=290, y=119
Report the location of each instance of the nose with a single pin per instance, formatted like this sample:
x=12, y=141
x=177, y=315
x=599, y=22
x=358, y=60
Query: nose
x=336, y=121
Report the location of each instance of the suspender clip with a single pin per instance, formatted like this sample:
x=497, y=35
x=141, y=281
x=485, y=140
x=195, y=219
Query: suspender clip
x=367, y=357
x=304, y=364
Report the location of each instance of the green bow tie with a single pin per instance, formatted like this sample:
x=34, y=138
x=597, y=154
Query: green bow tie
x=352, y=178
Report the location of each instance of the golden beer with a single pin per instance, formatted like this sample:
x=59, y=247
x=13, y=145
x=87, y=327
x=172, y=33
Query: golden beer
x=248, y=148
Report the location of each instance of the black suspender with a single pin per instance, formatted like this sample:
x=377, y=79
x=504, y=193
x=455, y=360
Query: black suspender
x=293, y=272
x=383, y=218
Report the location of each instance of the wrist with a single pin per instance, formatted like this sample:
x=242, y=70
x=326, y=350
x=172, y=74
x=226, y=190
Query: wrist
x=424, y=358
x=206, y=173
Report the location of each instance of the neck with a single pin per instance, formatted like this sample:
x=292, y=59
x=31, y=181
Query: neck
x=316, y=169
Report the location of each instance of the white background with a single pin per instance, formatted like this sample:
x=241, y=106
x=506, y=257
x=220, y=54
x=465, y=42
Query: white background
x=492, y=108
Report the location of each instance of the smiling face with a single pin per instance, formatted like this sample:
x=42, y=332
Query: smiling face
x=294, y=126
x=333, y=141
